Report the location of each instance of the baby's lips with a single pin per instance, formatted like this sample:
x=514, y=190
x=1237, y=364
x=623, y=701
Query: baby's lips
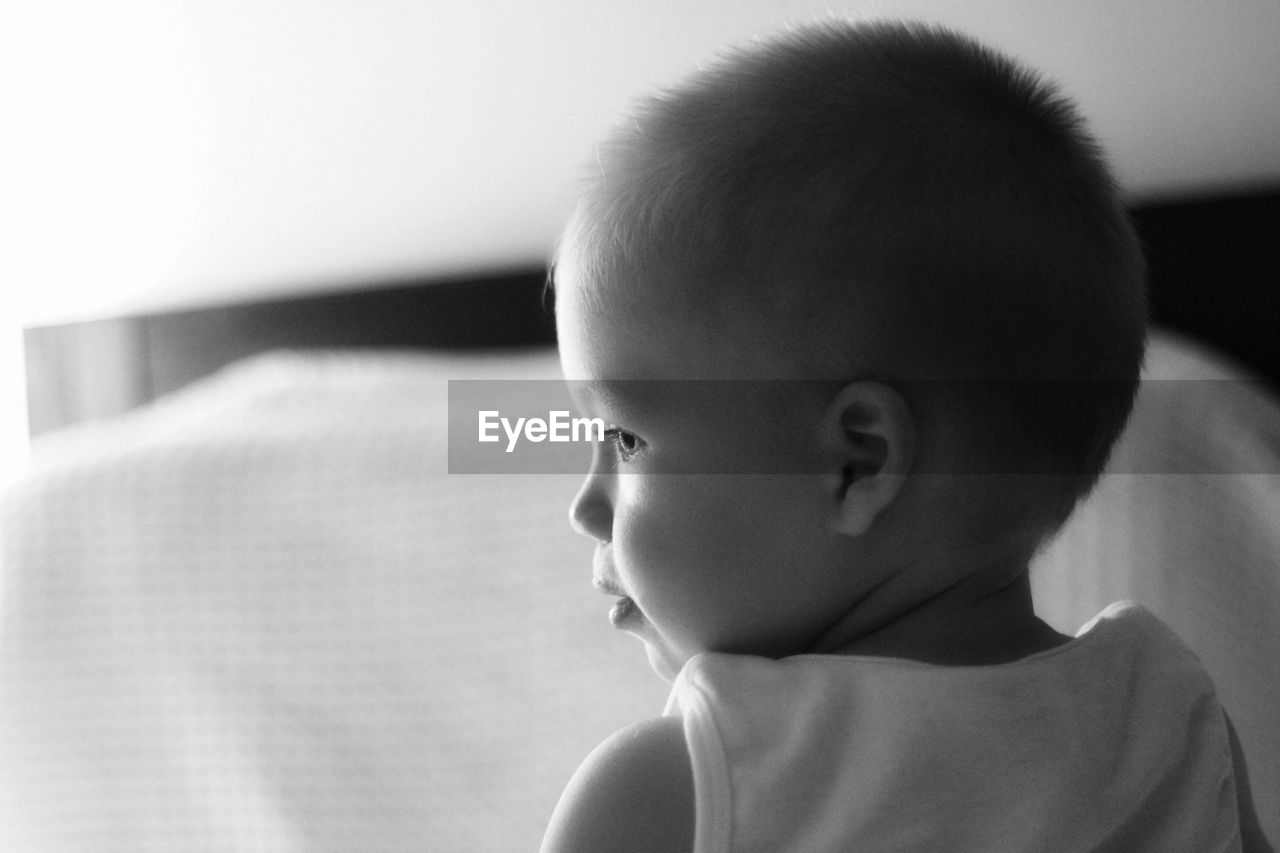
x=607, y=586
x=602, y=573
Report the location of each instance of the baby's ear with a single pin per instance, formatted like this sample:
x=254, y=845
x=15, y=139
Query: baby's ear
x=872, y=438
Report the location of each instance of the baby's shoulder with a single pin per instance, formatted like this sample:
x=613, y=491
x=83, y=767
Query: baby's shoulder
x=634, y=792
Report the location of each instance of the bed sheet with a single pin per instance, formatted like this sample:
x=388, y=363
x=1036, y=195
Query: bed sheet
x=1187, y=521
x=260, y=615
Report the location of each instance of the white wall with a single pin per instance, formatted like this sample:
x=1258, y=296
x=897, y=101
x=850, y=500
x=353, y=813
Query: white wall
x=172, y=152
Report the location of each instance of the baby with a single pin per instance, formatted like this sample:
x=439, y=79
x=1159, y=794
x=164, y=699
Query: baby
x=865, y=313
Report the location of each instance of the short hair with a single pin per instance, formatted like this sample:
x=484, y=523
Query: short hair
x=923, y=207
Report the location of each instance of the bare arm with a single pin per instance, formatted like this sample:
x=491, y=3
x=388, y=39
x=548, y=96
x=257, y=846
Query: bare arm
x=633, y=794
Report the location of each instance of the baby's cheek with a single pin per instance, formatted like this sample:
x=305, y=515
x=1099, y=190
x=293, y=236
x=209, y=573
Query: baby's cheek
x=663, y=564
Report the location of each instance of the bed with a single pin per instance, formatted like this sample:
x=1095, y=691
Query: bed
x=247, y=606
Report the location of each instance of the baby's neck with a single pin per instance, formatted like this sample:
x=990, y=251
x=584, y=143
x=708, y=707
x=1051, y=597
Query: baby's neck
x=962, y=627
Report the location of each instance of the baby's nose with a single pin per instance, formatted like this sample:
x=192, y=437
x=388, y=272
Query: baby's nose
x=591, y=513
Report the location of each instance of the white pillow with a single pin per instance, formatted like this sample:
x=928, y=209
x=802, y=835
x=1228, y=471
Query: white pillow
x=261, y=615
x=1187, y=522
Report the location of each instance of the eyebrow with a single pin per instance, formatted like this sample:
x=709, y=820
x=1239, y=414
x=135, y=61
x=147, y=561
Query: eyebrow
x=621, y=397
x=597, y=392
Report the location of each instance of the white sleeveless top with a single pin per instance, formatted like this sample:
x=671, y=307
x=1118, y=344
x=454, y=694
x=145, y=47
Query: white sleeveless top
x=1113, y=741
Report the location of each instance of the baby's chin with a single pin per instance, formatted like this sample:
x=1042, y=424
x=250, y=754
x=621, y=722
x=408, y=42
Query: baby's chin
x=663, y=661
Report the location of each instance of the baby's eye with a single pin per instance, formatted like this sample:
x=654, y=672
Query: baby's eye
x=626, y=444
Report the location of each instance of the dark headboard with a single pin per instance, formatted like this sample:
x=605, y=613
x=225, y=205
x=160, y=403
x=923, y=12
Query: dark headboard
x=1215, y=273
x=82, y=371
x=1214, y=261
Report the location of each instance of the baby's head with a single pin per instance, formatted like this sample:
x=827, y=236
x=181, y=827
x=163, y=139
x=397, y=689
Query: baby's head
x=916, y=245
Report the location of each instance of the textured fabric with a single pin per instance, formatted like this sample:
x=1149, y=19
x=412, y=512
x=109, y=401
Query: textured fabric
x=261, y=616
x=1187, y=521
x=1112, y=742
